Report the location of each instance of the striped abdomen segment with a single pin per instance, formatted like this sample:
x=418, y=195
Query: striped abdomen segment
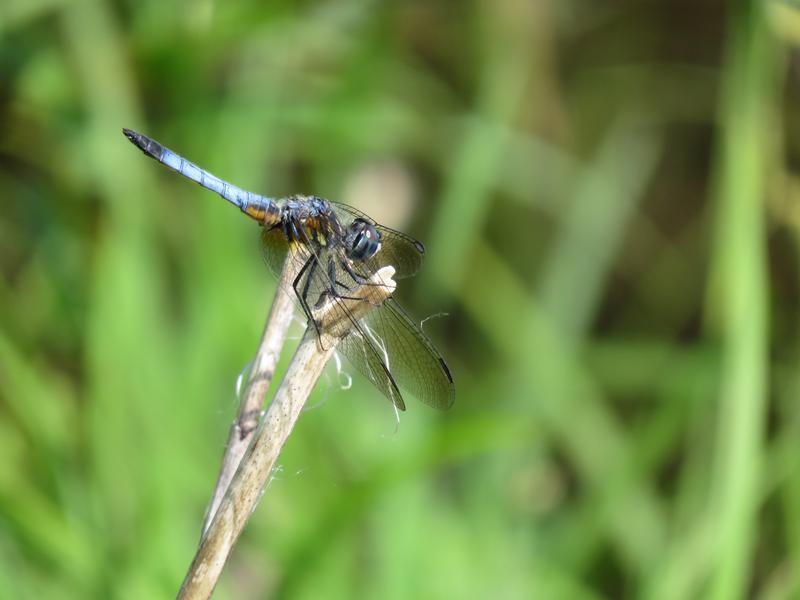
x=261, y=208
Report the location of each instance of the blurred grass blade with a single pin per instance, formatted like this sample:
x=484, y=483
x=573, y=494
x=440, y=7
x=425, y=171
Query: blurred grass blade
x=42, y=408
x=512, y=57
x=593, y=225
x=740, y=293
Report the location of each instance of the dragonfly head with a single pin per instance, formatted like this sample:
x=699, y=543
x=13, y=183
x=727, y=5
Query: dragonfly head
x=362, y=239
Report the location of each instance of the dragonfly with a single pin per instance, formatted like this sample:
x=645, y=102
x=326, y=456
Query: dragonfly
x=339, y=248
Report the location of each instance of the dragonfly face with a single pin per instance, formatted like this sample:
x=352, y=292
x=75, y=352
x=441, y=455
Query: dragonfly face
x=337, y=249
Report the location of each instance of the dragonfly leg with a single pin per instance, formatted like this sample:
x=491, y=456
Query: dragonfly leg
x=359, y=279
x=311, y=264
x=332, y=275
x=289, y=234
x=302, y=296
x=331, y=291
x=333, y=280
x=307, y=285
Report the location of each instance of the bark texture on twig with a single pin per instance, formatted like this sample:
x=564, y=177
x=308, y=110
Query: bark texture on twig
x=254, y=471
x=261, y=373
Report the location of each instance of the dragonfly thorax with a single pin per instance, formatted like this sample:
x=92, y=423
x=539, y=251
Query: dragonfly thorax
x=309, y=220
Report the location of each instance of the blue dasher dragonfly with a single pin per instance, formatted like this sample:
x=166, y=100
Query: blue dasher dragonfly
x=340, y=248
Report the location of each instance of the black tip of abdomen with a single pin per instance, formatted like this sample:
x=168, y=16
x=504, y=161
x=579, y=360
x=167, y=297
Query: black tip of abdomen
x=135, y=138
x=144, y=143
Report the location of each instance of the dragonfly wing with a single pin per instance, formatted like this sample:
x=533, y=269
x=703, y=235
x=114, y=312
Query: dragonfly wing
x=401, y=251
x=360, y=349
x=407, y=355
x=274, y=249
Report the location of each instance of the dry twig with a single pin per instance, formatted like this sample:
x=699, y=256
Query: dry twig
x=254, y=471
x=261, y=373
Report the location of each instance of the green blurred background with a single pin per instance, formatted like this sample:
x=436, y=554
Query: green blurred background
x=608, y=193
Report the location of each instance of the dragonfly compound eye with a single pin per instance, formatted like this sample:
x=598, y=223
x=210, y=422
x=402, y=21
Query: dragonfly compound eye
x=363, y=239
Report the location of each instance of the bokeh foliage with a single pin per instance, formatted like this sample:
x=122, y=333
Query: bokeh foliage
x=607, y=191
